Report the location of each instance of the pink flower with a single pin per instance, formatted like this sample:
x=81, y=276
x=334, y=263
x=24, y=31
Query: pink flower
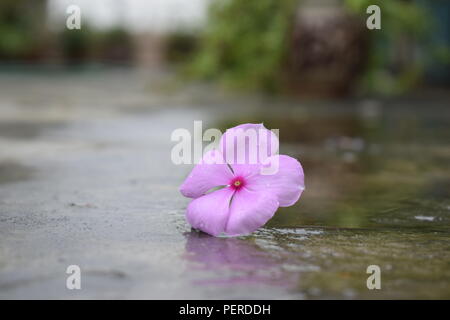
x=235, y=198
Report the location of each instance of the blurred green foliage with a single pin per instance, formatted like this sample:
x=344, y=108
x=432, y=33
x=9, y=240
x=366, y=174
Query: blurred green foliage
x=181, y=46
x=24, y=36
x=76, y=44
x=113, y=45
x=80, y=46
x=394, y=62
x=20, y=26
x=246, y=44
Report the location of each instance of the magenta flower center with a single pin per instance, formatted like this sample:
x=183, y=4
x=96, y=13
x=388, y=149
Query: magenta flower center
x=237, y=183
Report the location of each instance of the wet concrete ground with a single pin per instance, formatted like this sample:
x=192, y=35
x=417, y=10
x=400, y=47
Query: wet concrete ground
x=86, y=179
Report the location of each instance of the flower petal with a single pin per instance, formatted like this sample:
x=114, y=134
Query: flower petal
x=250, y=210
x=211, y=172
x=249, y=143
x=287, y=183
x=246, y=170
x=209, y=213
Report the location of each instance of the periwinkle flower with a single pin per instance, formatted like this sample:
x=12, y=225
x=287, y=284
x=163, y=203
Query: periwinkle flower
x=235, y=195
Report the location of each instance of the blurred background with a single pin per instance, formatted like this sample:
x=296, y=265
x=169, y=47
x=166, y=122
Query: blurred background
x=312, y=48
x=86, y=117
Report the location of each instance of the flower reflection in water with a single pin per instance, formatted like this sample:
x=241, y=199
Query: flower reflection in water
x=234, y=261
